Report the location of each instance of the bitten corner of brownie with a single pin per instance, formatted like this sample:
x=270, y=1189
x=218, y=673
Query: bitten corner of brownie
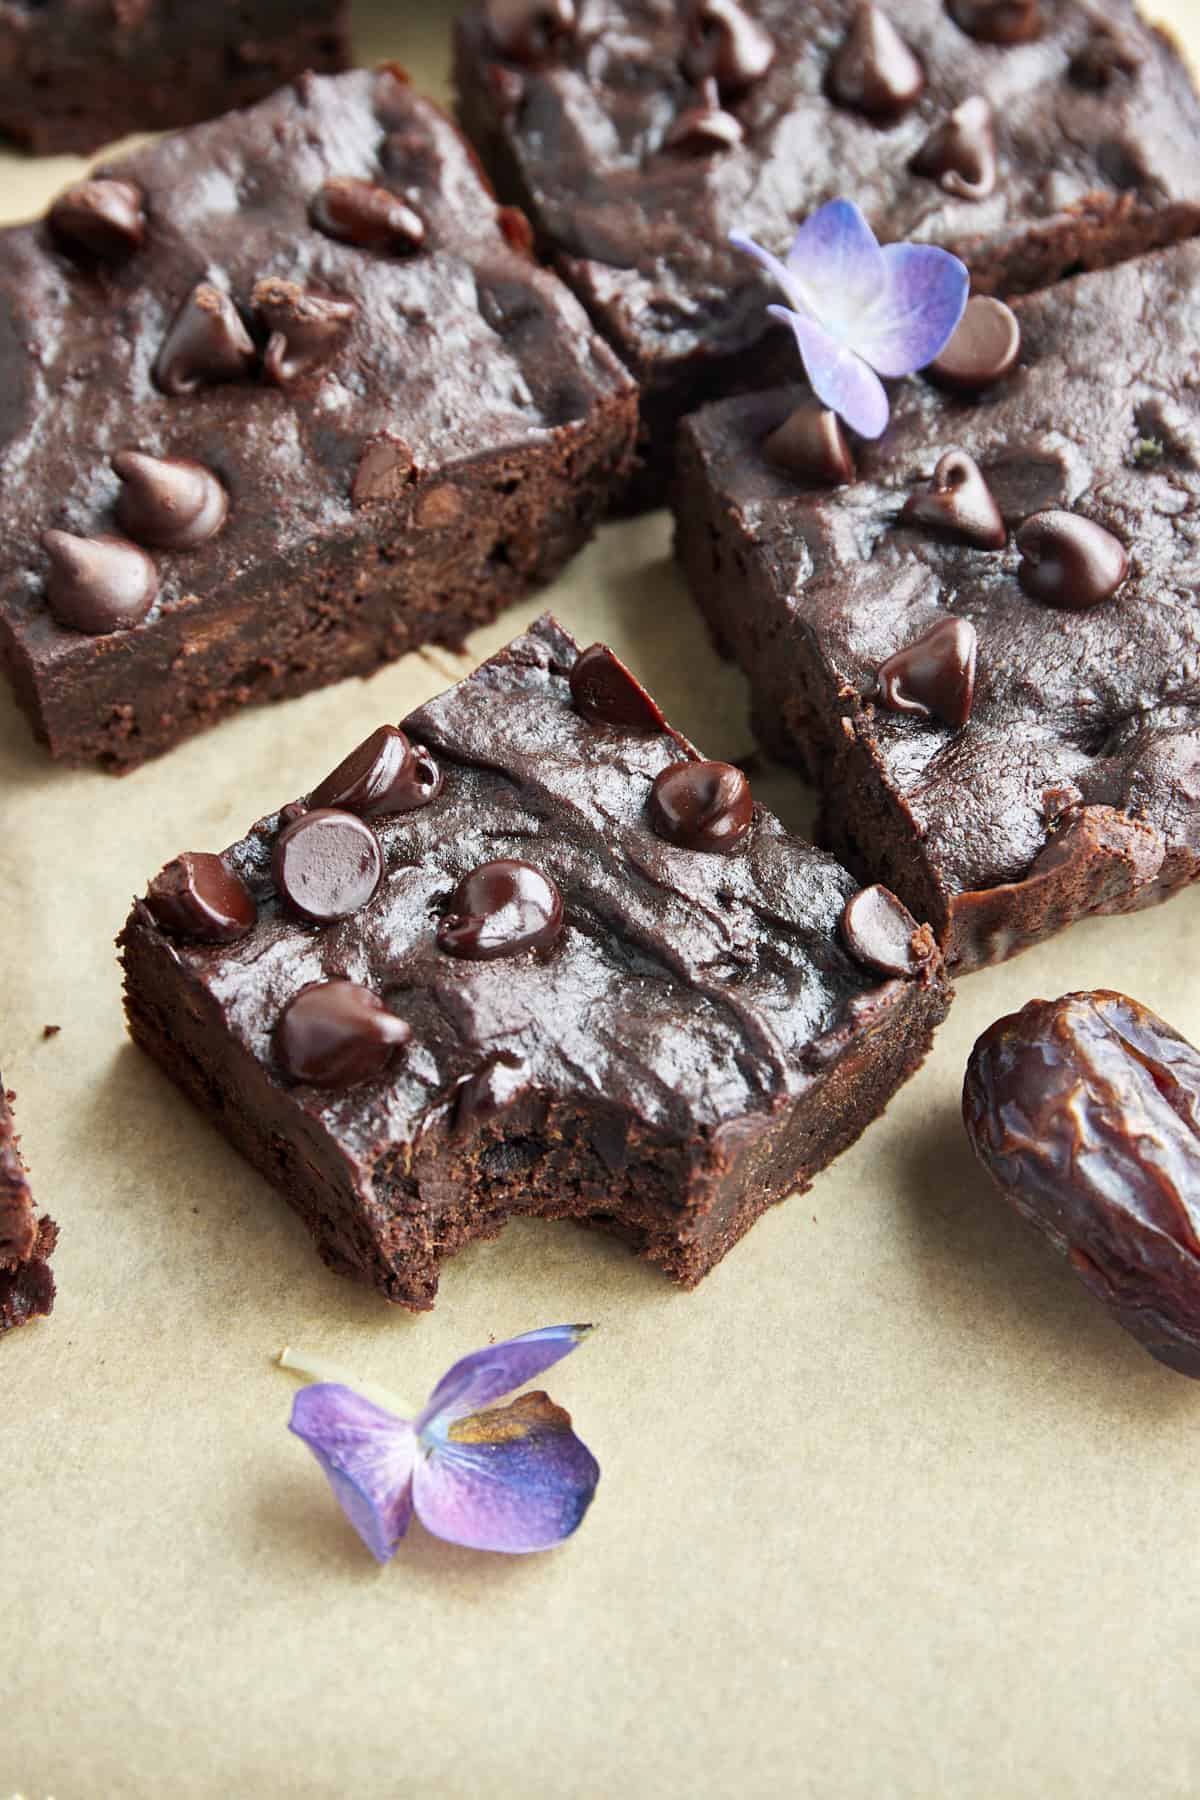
x=26, y=1242
x=285, y=396
x=583, y=976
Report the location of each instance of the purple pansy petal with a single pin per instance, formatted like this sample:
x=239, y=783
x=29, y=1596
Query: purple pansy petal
x=923, y=298
x=489, y=1374
x=771, y=264
x=368, y=1456
x=515, y=1479
x=836, y=266
x=840, y=379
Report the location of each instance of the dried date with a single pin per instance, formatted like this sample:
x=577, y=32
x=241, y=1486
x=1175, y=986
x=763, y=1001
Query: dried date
x=1085, y=1111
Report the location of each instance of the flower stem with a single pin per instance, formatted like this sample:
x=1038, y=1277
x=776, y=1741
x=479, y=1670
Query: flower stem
x=314, y=1367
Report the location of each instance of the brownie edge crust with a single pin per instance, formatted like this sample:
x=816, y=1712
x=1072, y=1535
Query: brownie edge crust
x=694, y=1045
x=26, y=1242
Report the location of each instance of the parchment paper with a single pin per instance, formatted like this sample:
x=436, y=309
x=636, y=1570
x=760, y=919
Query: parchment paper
x=889, y=1508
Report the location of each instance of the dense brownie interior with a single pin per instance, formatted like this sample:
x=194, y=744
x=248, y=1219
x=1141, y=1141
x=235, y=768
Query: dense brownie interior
x=26, y=1242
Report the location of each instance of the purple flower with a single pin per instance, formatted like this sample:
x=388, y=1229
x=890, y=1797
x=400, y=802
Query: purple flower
x=860, y=311
x=511, y=1478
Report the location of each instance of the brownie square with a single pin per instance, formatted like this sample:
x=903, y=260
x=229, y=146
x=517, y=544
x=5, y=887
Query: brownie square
x=1075, y=785
x=284, y=397
x=26, y=1242
x=78, y=73
x=1080, y=147
x=547, y=1005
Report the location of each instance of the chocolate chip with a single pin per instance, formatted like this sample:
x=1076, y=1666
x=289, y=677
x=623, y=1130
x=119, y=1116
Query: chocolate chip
x=303, y=328
x=98, y=585
x=386, y=774
x=705, y=128
x=702, y=806
x=811, y=445
x=606, y=693
x=488, y=1091
x=167, y=502
x=984, y=349
x=197, y=896
x=327, y=865
x=385, y=469
x=960, y=153
x=960, y=502
x=934, y=676
x=998, y=21
x=102, y=218
x=1105, y=56
x=874, y=71
x=727, y=44
x=500, y=909
x=207, y=343
x=530, y=31
x=335, y=1034
x=880, y=932
x=366, y=215
x=1069, y=561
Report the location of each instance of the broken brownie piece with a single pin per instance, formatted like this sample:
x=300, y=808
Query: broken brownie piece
x=285, y=397
x=983, y=641
x=529, y=955
x=1032, y=139
x=26, y=1242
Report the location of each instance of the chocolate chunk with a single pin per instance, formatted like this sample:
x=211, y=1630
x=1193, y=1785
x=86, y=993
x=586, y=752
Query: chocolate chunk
x=385, y=469
x=500, y=909
x=998, y=21
x=705, y=128
x=488, y=1091
x=386, y=774
x=1069, y=561
x=811, y=445
x=874, y=71
x=366, y=215
x=702, y=806
x=167, y=502
x=1105, y=56
x=960, y=153
x=881, y=933
x=102, y=218
x=606, y=693
x=728, y=45
x=207, y=343
x=327, y=865
x=984, y=349
x=335, y=1034
x=199, y=897
x=303, y=328
x=934, y=676
x=530, y=31
x=98, y=585
x=959, y=502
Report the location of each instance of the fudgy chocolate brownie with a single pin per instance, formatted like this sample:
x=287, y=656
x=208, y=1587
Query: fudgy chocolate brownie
x=529, y=955
x=1006, y=728
x=1032, y=137
x=283, y=397
x=26, y=1242
x=78, y=73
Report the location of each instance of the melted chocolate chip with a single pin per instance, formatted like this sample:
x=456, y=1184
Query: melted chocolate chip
x=811, y=445
x=606, y=693
x=728, y=45
x=327, y=865
x=385, y=469
x=102, y=218
x=366, y=215
x=874, y=71
x=501, y=909
x=705, y=128
x=167, y=502
x=335, y=1034
x=198, y=897
x=530, y=31
x=386, y=774
x=998, y=21
x=984, y=349
x=1069, y=561
x=934, y=676
x=207, y=343
x=960, y=153
x=488, y=1091
x=702, y=806
x=98, y=585
x=960, y=502
x=880, y=932
x=303, y=328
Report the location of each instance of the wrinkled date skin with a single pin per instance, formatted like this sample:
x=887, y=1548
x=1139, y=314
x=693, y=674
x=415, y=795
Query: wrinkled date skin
x=1086, y=1113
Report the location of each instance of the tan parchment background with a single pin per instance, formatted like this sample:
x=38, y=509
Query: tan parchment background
x=888, y=1509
